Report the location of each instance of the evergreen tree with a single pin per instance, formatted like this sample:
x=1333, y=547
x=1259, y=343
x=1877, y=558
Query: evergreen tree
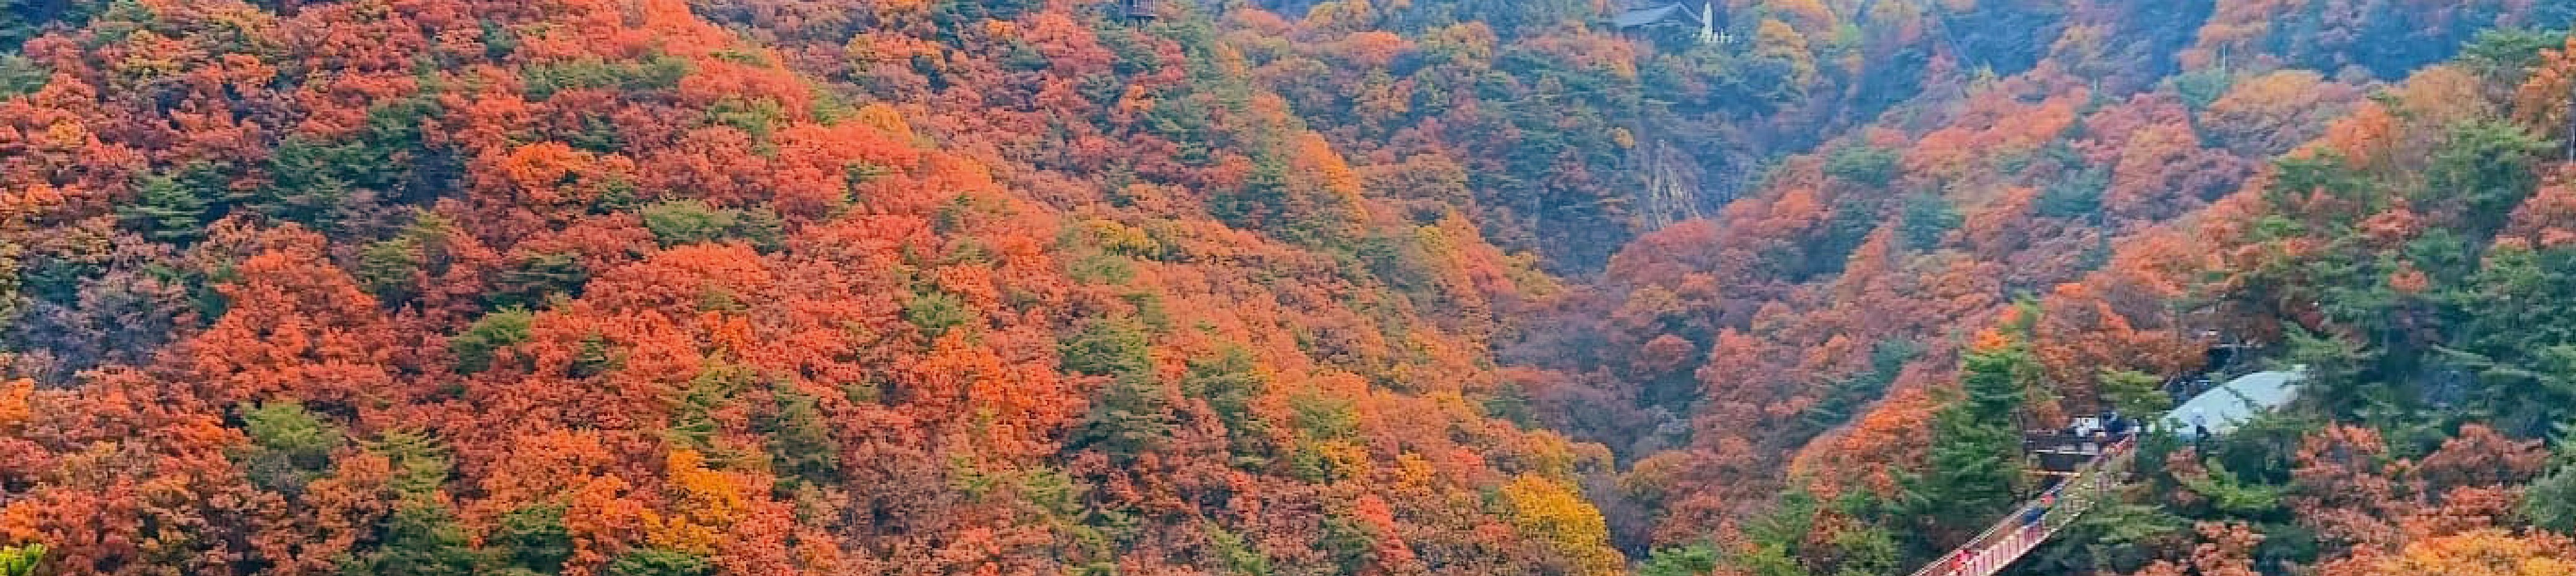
x=801, y=447
x=1689, y=560
x=420, y=539
x=390, y=268
x=678, y=222
x=695, y=421
x=306, y=183
x=1131, y=414
x=487, y=337
x=2079, y=195
x=2519, y=313
x=935, y=312
x=1262, y=198
x=2490, y=167
x=1976, y=449
x=21, y=75
x=1928, y=217
x=1230, y=383
x=536, y=279
x=2339, y=372
x=660, y=562
x=1863, y=164
x=2550, y=502
x=2136, y=394
x=167, y=211
x=531, y=540
x=290, y=446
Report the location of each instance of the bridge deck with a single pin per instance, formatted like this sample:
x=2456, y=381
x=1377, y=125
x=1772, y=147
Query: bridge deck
x=2218, y=410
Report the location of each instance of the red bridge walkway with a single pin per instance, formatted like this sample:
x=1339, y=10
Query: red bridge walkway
x=2016, y=535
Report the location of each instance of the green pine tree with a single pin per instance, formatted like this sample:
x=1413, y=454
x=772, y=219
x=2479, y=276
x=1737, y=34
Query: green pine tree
x=531, y=540
x=1976, y=449
x=1230, y=382
x=421, y=539
x=1691, y=560
x=167, y=211
x=801, y=447
x=307, y=184
x=1928, y=217
x=290, y=446
x=484, y=340
x=537, y=279
x=660, y=562
x=2550, y=502
x=1131, y=414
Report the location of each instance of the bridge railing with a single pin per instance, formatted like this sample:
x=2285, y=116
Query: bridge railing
x=2007, y=540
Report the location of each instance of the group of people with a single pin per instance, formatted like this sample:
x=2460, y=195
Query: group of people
x=2110, y=427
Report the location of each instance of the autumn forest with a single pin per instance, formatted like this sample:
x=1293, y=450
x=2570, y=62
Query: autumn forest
x=1279, y=287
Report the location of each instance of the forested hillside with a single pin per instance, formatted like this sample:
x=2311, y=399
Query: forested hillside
x=698, y=287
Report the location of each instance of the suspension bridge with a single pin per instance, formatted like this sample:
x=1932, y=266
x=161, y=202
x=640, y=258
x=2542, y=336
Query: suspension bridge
x=2210, y=413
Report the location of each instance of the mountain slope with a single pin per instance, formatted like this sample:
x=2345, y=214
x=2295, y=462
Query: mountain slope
x=597, y=287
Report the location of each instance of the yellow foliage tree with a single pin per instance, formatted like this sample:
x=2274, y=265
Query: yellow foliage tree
x=1315, y=157
x=2480, y=553
x=1549, y=511
x=884, y=117
x=704, y=503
